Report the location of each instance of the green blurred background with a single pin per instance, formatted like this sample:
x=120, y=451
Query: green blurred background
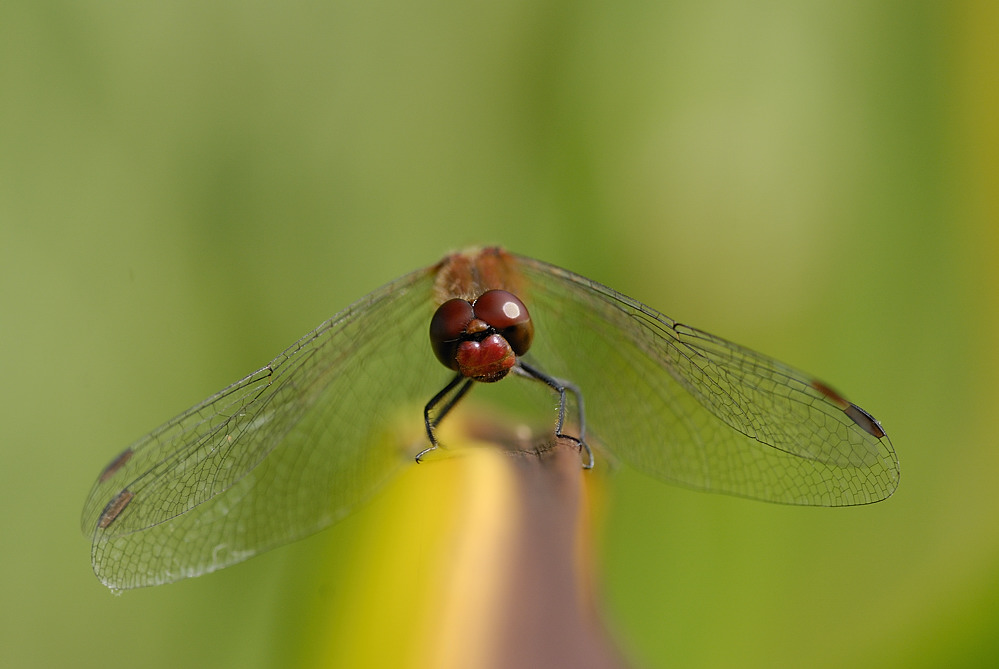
x=188, y=187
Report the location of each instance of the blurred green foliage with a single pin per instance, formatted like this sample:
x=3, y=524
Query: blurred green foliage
x=186, y=188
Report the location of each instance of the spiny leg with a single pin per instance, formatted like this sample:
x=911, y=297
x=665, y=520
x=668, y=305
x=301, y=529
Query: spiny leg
x=431, y=424
x=561, y=386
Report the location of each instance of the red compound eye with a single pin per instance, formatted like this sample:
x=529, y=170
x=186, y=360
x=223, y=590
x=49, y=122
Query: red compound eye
x=447, y=328
x=506, y=314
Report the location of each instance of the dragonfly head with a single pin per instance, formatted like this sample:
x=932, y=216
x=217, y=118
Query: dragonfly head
x=482, y=339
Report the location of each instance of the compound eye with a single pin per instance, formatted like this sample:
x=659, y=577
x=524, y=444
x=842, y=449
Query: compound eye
x=447, y=327
x=506, y=314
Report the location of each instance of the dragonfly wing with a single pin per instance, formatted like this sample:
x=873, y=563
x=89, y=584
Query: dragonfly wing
x=696, y=410
x=276, y=456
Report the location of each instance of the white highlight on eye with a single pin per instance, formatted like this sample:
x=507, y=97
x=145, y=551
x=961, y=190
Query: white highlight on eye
x=511, y=310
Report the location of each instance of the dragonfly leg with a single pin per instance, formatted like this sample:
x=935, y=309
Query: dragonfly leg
x=463, y=384
x=561, y=387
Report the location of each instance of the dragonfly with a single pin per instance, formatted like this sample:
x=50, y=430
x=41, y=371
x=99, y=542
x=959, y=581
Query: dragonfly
x=295, y=446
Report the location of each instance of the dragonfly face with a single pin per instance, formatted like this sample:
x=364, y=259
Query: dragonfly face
x=481, y=339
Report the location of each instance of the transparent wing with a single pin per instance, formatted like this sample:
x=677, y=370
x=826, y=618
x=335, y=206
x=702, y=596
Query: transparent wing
x=276, y=456
x=696, y=410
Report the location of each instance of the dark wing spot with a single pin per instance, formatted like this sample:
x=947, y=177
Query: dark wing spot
x=831, y=395
x=865, y=421
x=114, y=508
x=116, y=464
